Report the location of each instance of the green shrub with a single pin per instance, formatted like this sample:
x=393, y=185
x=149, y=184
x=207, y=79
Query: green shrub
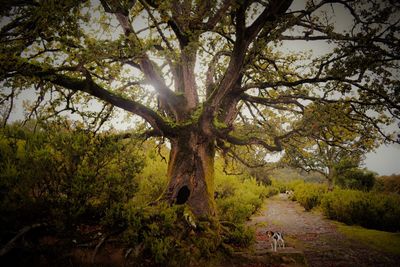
x=371, y=210
x=309, y=195
x=237, y=199
x=284, y=186
x=356, y=179
x=152, y=181
x=388, y=184
x=66, y=173
x=238, y=234
x=163, y=235
x=271, y=191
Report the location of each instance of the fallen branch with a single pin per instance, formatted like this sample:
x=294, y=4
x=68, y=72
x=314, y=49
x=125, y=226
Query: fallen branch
x=11, y=244
x=102, y=240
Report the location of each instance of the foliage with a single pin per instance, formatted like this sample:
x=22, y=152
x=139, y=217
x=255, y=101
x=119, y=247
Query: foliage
x=322, y=153
x=152, y=180
x=161, y=233
x=388, y=184
x=164, y=235
x=73, y=177
x=285, y=185
x=238, y=235
x=356, y=179
x=309, y=195
x=65, y=172
x=287, y=175
x=238, y=199
x=217, y=71
x=260, y=174
x=371, y=210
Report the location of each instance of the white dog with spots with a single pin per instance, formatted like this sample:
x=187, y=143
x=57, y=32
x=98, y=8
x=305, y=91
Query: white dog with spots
x=276, y=239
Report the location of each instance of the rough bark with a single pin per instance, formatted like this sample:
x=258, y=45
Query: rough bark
x=191, y=173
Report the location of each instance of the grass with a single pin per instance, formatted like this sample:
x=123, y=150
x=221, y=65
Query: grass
x=381, y=240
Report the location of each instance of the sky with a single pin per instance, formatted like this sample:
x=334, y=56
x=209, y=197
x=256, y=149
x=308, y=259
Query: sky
x=385, y=160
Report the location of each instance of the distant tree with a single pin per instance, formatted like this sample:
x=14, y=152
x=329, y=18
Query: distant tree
x=206, y=75
x=336, y=142
x=388, y=183
x=354, y=177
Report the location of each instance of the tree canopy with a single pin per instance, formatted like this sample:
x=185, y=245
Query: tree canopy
x=335, y=140
x=207, y=71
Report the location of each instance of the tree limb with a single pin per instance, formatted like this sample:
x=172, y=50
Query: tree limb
x=253, y=141
x=10, y=244
x=89, y=86
x=146, y=66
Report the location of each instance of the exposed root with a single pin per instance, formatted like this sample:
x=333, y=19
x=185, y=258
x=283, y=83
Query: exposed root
x=102, y=240
x=11, y=244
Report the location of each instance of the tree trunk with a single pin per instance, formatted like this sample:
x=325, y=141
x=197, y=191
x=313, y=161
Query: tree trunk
x=331, y=176
x=191, y=173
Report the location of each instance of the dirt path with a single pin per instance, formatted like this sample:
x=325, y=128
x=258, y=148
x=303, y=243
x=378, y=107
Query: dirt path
x=317, y=237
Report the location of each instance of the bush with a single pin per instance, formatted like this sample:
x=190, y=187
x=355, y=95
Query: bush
x=356, y=179
x=238, y=199
x=388, y=184
x=163, y=235
x=271, y=191
x=309, y=195
x=70, y=178
x=371, y=210
x=239, y=235
x=284, y=186
x=152, y=181
x=63, y=174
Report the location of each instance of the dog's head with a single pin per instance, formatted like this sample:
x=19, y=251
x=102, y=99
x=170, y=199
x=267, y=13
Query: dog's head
x=270, y=233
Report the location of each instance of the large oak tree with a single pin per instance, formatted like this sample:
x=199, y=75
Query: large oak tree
x=206, y=75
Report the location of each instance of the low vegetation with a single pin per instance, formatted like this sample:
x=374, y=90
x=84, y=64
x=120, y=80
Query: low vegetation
x=389, y=184
x=87, y=188
x=238, y=199
x=374, y=209
x=309, y=195
x=371, y=210
x=63, y=175
x=380, y=240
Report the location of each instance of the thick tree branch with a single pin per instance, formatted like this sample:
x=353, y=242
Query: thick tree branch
x=273, y=102
x=210, y=75
x=87, y=85
x=212, y=21
x=94, y=89
x=271, y=14
x=146, y=66
x=244, y=37
x=253, y=141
